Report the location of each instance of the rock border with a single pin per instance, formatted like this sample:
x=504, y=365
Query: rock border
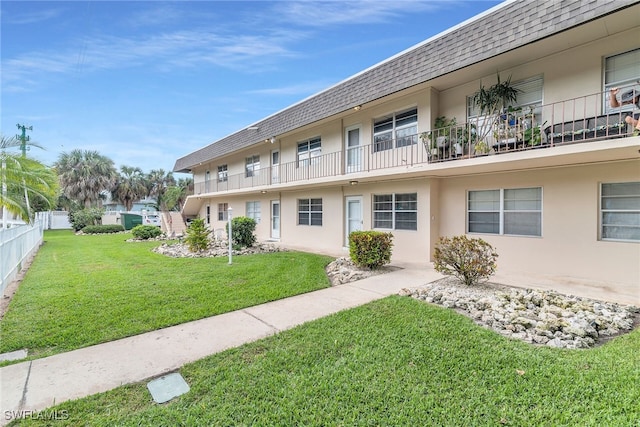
x=534, y=316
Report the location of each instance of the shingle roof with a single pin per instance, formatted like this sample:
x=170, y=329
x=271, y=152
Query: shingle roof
x=506, y=27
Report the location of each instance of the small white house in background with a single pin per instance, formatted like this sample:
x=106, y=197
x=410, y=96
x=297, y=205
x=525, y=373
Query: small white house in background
x=556, y=190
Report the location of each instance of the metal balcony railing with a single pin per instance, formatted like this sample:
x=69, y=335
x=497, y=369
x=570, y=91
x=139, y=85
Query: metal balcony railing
x=577, y=120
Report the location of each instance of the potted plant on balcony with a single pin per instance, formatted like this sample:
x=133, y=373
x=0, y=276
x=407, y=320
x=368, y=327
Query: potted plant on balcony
x=440, y=136
x=494, y=103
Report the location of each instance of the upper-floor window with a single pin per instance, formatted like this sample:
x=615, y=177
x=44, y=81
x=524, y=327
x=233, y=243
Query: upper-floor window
x=620, y=211
x=252, y=166
x=399, y=127
x=515, y=211
x=395, y=211
x=222, y=173
x=309, y=211
x=253, y=211
x=622, y=71
x=309, y=151
x=223, y=208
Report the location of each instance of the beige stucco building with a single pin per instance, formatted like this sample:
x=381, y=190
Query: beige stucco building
x=556, y=190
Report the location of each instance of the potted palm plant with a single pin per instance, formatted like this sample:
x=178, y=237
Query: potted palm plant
x=493, y=103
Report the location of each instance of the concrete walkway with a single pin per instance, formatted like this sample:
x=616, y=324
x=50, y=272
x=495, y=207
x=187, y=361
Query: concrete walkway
x=42, y=383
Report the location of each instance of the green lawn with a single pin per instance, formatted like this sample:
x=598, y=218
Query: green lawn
x=393, y=362
x=84, y=290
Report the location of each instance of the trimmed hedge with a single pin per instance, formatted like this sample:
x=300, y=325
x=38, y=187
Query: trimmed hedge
x=370, y=249
x=145, y=232
x=103, y=229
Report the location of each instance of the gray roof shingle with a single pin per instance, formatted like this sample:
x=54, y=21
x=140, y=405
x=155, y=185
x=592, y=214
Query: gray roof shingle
x=509, y=26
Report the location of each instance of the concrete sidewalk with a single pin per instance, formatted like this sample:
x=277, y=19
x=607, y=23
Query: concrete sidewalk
x=42, y=383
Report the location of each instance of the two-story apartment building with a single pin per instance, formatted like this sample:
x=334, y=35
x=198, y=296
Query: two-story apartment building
x=553, y=184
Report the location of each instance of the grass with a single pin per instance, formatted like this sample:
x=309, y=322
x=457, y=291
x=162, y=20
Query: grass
x=84, y=290
x=396, y=362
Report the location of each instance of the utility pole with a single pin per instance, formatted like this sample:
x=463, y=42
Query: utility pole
x=23, y=138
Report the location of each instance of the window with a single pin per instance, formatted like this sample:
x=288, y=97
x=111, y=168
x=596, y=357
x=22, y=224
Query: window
x=395, y=211
x=253, y=211
x=309, y=151
x=222, y=211
x=222, y=173
x=529, y=95
x=252, y=166
x=620, y=211
x=208, y=214
x=516, y=211
x=309, y=211
x=401, y=127
x=622, y=71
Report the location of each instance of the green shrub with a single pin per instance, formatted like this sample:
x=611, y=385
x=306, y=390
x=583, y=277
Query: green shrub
x=470, y=260
x=197, y=236
x=81, y=218
x=242, y=232
x=145, y=232
x=370, y=249
x=102, y=229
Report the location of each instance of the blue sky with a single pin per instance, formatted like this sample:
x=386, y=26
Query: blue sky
x=147, y=82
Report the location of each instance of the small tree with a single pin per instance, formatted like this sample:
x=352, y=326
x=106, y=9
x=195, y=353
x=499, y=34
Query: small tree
x=242, y=232
x=370, y=249
x=197, y=236
x=470, y=260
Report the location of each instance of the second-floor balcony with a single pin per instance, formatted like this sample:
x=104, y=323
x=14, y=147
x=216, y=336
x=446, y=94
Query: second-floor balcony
x=576, y=121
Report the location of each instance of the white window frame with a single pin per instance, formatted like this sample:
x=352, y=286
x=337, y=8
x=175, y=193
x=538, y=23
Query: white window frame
x=501, y=209
x=632, y=213
x=223, y=211
x=252, y=166
x=396, y=135
x=223, y=173
x=253, y=210
x=310, y=208
x=309, y=151
x=208, y=214
x=397, y=208
x=622, y=71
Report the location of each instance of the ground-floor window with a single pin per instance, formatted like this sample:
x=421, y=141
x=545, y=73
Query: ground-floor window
x=208, y=215
x=620, y=211
x=514, y=211
x=395, y=211
x=222, y=211
x=309, y=211
x=253, y=211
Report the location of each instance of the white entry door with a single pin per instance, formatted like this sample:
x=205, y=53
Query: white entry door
x=275, y=166
x=353, y=150
x=353, y=215
x=275, y=219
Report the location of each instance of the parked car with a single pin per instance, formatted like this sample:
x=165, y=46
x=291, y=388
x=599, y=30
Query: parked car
x=151, y=219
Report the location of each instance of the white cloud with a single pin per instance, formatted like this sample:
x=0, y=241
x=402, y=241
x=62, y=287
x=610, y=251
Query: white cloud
x=29, y=18
x=175, y=49
x=319, y=14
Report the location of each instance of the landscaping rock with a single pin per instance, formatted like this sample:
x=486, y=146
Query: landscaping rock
x=538, y=317
x=343, y=270
x=216, y=249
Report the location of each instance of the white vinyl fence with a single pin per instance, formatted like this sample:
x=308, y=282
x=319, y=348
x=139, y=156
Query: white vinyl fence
x=17, y=245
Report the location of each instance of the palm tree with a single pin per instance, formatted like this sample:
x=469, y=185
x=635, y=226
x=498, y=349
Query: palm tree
x=24, y=179
x=129, y=187
x=175, y=195
x=84, y=175
x=157, y=183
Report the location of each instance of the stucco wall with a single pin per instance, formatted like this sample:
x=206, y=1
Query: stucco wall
x=570, y=244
